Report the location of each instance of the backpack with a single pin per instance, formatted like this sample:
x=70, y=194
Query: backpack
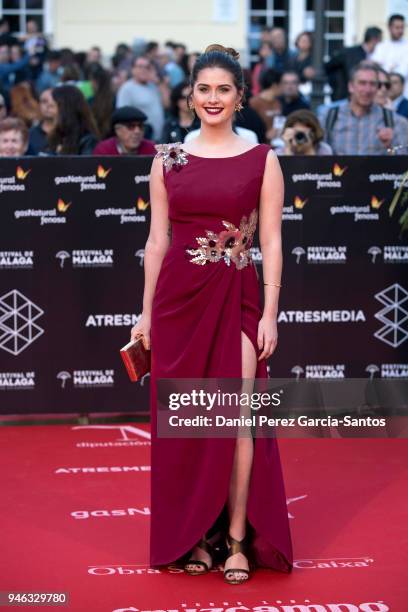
x=388, y=118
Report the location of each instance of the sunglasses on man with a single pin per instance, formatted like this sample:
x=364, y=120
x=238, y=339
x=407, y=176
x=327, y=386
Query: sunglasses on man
x=132, y=125
x=385, y=84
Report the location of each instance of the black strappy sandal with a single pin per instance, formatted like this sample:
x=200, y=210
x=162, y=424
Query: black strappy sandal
x=234, y=547
x=204, y=545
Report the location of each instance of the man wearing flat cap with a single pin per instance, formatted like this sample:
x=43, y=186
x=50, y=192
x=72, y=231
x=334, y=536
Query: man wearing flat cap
x=128, y=127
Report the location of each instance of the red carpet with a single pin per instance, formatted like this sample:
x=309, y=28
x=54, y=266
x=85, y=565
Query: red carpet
x=75, y=518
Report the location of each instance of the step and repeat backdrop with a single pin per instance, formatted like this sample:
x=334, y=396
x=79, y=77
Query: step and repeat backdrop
x=73, y=232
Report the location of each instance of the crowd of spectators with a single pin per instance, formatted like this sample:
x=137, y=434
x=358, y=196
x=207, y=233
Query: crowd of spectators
x=61, y=102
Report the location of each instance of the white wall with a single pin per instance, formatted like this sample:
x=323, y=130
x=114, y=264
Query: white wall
x=81, y=23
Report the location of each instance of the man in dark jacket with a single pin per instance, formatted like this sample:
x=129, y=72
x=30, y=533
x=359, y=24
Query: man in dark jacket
x=128, y=126
x=339, y=67
x=399, y=102
x=291, y=98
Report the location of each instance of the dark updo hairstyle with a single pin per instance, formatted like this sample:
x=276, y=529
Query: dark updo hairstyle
x=218, y=56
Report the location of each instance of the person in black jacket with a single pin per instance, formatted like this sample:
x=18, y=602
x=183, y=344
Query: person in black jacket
x=396, y=93
x=180, y=120
x=339, y=67
x=291, y=98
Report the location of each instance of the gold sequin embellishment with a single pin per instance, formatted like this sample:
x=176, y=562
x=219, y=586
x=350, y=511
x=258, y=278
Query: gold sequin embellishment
x=232, y=244
x=172, y=154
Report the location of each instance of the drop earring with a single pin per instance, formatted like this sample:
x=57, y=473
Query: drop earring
x=238, y=107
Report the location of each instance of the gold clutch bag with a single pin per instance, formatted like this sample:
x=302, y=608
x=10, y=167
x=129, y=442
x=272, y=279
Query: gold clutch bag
x=136, y=359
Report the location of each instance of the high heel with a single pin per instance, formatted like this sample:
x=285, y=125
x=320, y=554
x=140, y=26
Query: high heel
x=234, y=547
x=204, y=545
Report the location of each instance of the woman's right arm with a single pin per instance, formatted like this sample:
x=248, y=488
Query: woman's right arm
x=156, y=247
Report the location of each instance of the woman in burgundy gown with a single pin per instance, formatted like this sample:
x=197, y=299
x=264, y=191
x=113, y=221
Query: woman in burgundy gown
x=202, y=318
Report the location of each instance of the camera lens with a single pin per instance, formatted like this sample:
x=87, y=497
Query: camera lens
x=301, y=137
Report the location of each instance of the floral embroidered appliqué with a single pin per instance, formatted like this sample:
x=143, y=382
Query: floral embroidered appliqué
x=231, y=245
x=172, y=154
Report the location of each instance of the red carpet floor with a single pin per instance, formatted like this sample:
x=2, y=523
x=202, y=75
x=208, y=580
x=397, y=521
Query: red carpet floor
x=75, y=518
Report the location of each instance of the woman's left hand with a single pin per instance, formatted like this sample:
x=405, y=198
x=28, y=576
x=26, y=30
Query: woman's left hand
x=267, y=336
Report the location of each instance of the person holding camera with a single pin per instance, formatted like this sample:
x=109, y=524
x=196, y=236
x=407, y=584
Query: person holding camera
x=303, y=135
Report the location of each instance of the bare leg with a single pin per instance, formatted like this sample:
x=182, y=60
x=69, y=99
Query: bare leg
x=241, y=471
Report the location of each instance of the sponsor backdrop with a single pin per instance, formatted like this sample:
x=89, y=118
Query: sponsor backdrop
x=73, y=232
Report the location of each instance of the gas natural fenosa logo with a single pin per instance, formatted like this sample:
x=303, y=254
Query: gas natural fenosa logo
x=141, y=204
x=376, y=203
x=101, y=172
x=290, y=213
x=126, y=215
x=22, y=174
x=47, y=215
x=361, y=212
x=91, y=182
x=62, y=206
x=15, y=182
x=323, y=180
x=338, y=170
x=299, y=203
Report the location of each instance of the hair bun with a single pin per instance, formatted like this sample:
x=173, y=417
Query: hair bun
x=222, y=49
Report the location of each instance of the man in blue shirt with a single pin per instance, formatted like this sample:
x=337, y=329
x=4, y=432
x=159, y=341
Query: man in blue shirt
x=7, y=67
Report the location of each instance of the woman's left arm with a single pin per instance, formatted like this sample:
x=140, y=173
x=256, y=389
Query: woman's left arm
x=270, y=240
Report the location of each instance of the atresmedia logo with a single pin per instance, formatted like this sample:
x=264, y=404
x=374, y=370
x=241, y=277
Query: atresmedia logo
x=17, y=322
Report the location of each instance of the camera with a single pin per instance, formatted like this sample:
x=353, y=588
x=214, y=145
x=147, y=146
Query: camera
x=300, y=137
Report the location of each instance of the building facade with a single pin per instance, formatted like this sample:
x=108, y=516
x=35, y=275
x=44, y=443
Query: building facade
x=80, y=24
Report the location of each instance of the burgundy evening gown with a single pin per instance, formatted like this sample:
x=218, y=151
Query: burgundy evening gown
x=201, y=303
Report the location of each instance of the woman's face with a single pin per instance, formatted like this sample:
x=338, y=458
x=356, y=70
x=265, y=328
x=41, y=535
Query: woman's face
x=182, y=101
x=57, y=108
x=383, y=92
x=3, y=108
x=48, y=106
x=304, y=43
x=15, y=53
x=12, y=144
x=265, y=51
x=299, y=143
x=215, y=95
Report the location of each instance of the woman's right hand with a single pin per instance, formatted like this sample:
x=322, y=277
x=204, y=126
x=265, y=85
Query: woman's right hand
x=142, y=328
x=287, y=137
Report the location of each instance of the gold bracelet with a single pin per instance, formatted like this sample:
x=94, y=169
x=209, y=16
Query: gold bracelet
x=274, y=284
